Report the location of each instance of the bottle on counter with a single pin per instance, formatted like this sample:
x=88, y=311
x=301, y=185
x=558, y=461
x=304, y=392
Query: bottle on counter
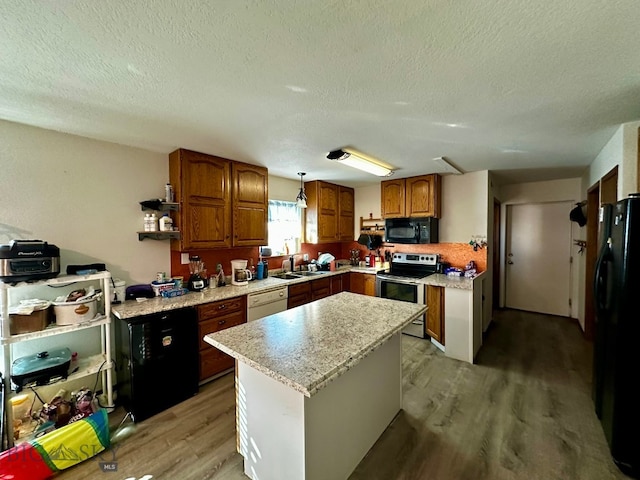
x=166, y=223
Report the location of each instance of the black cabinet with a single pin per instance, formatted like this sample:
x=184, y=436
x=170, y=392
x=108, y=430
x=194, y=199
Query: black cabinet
x=157, y=361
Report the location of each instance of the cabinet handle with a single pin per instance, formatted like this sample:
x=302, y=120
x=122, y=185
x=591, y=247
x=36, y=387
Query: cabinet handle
x=222, y=322
x=222, y=307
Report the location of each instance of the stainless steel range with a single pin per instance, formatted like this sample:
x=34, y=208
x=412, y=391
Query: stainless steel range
x=402, y=282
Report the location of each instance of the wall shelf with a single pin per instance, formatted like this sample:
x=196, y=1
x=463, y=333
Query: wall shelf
x=159, y=206
x=173, y=234
x=372, y=226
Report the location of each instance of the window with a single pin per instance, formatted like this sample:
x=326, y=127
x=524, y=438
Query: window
x=285, y=227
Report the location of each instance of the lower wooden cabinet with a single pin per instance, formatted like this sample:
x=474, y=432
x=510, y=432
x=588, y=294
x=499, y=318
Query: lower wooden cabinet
x=213, y=317
x=363, y=283
x=320, y=288
x=435, y=313
x=340, y=283
x=299, y=294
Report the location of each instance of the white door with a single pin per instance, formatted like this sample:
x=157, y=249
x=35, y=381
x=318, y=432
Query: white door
x=538, y=263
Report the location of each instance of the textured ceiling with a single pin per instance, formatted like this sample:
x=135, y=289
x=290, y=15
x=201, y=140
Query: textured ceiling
x=509, y=85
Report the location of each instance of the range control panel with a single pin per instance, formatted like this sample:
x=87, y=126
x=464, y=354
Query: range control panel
x=416, y=258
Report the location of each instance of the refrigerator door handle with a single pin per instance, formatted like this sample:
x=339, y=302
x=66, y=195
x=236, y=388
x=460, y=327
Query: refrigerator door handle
x=602, y=292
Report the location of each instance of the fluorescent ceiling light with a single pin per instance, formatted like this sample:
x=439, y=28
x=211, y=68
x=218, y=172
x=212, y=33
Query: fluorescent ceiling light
x=361, y=161
x=447, y=166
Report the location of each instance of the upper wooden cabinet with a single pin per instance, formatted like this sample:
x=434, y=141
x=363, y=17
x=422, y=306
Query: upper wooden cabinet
x=411, y=197
x=345, y=211
x=250, y=204
x=329, y=213
x=222, y=203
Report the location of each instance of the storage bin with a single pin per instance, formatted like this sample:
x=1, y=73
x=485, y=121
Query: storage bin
x=158, y=288
x=71, y=313
x=38, y=320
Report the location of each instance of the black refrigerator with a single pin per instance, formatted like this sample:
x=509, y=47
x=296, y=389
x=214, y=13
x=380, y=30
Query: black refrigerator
x=617, y=332
x=157, y=361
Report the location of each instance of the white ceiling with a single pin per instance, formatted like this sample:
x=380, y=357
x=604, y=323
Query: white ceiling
x=512, y=85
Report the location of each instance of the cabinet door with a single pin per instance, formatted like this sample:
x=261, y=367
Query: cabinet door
x=321, y=212
x=356, y=281
x=422, y=196
x=435, y=313
x=336, y=283
x=392, y=198
x=346, y=209
x=250, y=205
x=369, y=284
x=202, y=187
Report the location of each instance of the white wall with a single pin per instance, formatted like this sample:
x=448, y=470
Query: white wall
x=368, y=201
x=83, y=196
x=464, y=207
x=283, y=189
x=541, y=192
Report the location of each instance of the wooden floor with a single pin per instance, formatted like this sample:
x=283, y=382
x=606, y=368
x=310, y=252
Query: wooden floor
x=524, y=411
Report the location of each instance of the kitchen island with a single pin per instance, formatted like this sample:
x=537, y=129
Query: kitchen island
x=316, y=385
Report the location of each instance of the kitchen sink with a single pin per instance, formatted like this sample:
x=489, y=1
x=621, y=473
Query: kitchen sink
x=306, y=273
x=286, y=276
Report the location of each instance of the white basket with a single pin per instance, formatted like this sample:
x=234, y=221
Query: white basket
x=71, y=313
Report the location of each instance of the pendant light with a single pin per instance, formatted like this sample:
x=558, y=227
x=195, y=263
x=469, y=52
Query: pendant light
x=301, y=199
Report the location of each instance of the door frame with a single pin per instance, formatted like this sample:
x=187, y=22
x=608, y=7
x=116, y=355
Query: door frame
x=593, y=209
x=497, y=259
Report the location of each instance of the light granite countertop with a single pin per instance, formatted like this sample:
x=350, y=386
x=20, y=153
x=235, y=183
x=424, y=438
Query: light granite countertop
x=446, y=281
x=309, y=346
x=133, y=308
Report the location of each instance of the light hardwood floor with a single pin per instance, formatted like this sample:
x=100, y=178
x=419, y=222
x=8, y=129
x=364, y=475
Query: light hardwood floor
x=523, y=411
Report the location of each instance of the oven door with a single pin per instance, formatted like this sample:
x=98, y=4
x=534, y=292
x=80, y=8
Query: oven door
x=405, y=291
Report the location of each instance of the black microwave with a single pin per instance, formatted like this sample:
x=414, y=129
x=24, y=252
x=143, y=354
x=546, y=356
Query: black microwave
x=411, y=230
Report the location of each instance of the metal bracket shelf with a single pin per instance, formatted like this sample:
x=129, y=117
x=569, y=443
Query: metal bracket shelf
x=159, y=235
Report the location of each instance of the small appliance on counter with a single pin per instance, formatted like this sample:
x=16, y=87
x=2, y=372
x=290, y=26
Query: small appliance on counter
x=240, y=275
x=197, y=276
x=27, y=260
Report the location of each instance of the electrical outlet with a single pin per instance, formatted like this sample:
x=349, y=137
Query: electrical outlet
x=184, y=258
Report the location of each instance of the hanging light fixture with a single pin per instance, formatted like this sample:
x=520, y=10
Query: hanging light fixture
x=301, y=199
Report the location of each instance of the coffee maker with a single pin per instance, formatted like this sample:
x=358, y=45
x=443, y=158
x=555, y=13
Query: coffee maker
x=240, y=275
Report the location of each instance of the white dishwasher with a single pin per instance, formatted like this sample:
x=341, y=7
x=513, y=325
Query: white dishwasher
x=267, y=303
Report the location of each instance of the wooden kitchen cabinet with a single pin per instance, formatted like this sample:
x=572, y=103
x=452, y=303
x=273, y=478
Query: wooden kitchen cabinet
x=411, y=197
x=202, y=185
x=435, y=313
x=345, y=214
x=392, y=194
x=250, y=204
x=222, y=203
x=340, y=283
x=329, y=212
x=213, y=317
x=320, y=288
x=299, y=294
x=363, y=283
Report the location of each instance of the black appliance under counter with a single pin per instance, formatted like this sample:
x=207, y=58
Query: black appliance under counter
x=157, y=361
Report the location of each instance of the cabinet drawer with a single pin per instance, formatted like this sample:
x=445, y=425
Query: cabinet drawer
x=223, y=307
x=219, y=323
x=301, y=288
x=320, y=288
x=213, y=361
x=297, y=300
